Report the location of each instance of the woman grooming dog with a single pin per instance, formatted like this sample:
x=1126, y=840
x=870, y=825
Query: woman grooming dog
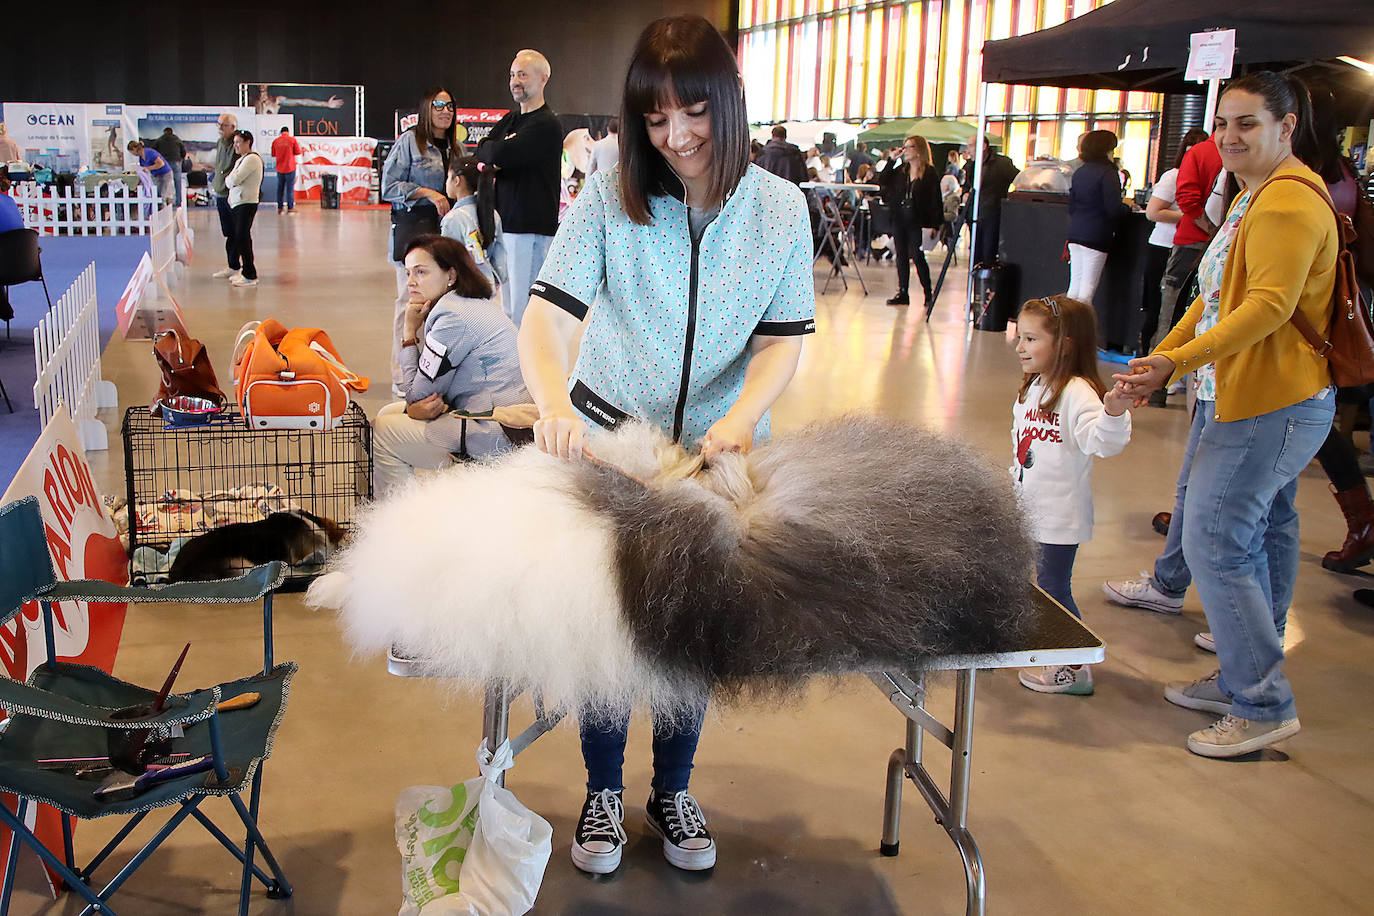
x=699, y=268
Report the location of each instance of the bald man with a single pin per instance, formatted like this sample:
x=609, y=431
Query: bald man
x=526, y=149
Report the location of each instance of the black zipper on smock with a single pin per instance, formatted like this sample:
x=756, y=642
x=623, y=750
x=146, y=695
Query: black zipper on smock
x=690, y=337
x=689, y=340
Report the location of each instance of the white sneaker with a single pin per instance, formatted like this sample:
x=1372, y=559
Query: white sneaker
x=1058, y=679
x=1141, y=593
x=241, y=282
x=1205, y=642
x=1232, y=736
x=225, y=273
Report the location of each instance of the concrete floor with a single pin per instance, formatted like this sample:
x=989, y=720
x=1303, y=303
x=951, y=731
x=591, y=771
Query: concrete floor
x=1079, y=804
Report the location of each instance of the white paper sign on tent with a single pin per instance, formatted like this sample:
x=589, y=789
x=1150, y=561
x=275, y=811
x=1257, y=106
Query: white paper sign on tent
x=1211, y=55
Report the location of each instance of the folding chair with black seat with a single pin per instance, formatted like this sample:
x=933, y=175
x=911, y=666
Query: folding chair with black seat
x=67, y=711
x=19, y=263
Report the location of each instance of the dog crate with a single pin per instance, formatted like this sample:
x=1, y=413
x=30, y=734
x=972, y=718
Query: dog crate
x=182, y=481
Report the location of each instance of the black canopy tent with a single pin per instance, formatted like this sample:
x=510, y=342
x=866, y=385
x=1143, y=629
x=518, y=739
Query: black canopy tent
x=1143, y=45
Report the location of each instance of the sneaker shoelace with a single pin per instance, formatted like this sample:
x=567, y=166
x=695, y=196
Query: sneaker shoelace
x=1228, y=725
x=1209, y=679
x=605, y=817
x=685, y=816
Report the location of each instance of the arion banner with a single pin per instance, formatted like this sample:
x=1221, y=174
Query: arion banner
x=350, y=158
x=84, y=544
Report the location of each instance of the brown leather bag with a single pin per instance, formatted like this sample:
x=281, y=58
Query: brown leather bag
x=1349, y=343
x=186, y=369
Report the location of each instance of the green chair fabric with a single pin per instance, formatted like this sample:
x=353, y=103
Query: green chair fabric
x=246, y=738
x=66, y=711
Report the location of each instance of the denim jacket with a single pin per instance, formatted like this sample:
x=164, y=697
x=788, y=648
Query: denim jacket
x=405, y=170
x=671, y=319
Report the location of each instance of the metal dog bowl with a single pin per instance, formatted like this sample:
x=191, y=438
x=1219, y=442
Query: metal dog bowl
x=184, y=411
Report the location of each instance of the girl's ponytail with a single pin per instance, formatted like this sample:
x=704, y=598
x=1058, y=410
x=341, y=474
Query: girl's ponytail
x=486, y=206
x=482, y=183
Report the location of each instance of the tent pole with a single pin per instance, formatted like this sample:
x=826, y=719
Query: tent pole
x=1210, y=111
x=977, y=192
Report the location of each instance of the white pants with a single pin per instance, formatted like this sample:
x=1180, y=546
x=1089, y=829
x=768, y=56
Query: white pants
x=525, y=253
x=399, y=447
x=398, y=322
x=1085, y=270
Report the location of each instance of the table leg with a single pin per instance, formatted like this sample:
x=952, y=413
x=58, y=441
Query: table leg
x=892, y=800
x=496, y=719
x=961, y=770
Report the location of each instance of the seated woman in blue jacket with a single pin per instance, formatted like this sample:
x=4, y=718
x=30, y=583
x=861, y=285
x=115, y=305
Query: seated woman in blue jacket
x=695, y=269
x=458, y=352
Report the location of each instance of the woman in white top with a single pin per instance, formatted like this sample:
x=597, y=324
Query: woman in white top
x=244, y=182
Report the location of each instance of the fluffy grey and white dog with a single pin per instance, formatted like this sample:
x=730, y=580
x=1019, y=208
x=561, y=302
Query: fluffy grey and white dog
x=856, y=544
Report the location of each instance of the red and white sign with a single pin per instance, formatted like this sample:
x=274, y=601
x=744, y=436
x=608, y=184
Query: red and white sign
x=84, y=544
x=133, y=293
x=140, y=319
x=355, y=182
x=337, y=150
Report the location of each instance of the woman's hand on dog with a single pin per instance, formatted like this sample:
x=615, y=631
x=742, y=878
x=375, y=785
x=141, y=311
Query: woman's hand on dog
x=426, y=408
x=560, y=433
x=728, y=434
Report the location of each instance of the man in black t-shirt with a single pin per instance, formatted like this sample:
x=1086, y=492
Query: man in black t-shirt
x=526, y=149
x=174, y=151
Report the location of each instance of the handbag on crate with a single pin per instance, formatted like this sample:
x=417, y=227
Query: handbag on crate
x=186, y=370
x=290, y=378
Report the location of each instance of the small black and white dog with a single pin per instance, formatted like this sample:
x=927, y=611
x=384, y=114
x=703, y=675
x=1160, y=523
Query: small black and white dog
x=222, y=553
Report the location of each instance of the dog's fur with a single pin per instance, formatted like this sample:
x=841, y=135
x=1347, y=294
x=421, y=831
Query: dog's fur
x=227, y=551
x=856, y=544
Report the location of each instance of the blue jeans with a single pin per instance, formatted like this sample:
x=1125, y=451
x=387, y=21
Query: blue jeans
x=180, y=195
x=675, y=745
x=1240, y=540
x=1054, y=574
x=525, y=253
x=286, y=189
x=1171, y=575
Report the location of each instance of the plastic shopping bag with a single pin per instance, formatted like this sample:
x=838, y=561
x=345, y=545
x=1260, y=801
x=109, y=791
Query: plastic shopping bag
x=472, y=848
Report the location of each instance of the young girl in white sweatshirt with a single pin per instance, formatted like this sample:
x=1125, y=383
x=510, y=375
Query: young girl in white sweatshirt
x=1063, y=417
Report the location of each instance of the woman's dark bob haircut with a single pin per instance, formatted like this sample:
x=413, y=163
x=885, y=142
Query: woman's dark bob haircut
x=1097, y=146
x=680, y=61
x=451, y=255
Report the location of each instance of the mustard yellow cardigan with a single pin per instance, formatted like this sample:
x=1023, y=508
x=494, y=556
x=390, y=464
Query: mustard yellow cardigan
x=1283, y=256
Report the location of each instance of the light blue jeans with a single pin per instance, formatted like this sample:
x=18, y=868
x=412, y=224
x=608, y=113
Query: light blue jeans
x=1171, y=575
x=525, y=253
x=1240, y=540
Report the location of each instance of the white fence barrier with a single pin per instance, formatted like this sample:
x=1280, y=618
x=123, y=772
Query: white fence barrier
x=66, y=354
x=78, y=210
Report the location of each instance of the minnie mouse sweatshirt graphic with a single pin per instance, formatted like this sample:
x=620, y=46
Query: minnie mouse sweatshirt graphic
x=1053, y=453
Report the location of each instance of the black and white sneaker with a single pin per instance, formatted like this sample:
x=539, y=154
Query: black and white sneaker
x=677, y=818
x=600, y=833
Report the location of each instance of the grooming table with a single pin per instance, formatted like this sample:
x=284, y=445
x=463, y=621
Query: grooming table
x=1054, y=637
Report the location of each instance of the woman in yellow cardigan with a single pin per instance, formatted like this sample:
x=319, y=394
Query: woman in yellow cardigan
x=1265, y=404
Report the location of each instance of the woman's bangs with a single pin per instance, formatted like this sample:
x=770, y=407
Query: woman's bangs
x=664, y=84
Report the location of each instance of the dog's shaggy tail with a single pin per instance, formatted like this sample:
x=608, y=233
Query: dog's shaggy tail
x=329, y=592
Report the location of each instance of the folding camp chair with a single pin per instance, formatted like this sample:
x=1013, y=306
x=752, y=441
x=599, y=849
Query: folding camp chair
x=68, y=711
